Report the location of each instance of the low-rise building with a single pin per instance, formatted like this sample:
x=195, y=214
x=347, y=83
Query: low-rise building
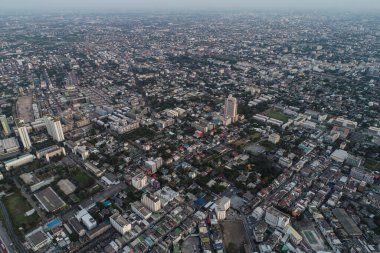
x=120, y=223
x=139, y=181
x=50, y=152
x=140, y=210
x=37, y=239
x=19, y=161
x=276, y=218
x=274, y=138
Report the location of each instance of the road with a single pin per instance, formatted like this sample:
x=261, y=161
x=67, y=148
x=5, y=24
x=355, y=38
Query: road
x=248, y=232
x=5, y=240
x=5, y=243
x=9, y=226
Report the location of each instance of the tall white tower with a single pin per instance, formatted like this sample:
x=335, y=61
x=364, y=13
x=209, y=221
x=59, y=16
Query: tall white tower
x=230, y=108
x=4, y=125
x=54, y=128
x=23, y=133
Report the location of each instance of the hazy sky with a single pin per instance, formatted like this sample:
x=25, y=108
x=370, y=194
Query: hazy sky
x=122, y=5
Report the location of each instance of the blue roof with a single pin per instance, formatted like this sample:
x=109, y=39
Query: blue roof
x=53, y=223
x=200, y=201
x=106, y=203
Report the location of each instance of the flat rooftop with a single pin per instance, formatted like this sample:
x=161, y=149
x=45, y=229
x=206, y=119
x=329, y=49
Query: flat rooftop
x=347, y=222
x=9, y=143
x=49, y=199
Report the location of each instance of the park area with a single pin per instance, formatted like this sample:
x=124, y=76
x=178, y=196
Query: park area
x=141, y=132
x=87, y=186
x=83, y=180
x=276, y=115
x=17, y=206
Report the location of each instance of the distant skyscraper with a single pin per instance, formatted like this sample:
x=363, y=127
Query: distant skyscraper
x=54, y=128
x=4, y=125
x=230, y=108
x=23, y=133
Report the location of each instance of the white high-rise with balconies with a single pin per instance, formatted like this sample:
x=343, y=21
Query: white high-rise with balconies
x=23, y=133
x=4, y=125
x=230, y=108
x=54, y=128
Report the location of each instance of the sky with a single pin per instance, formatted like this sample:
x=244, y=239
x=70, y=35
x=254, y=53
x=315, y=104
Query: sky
x=125, y=5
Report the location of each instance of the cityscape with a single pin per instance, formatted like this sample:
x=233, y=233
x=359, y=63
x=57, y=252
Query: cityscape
x=190, y=132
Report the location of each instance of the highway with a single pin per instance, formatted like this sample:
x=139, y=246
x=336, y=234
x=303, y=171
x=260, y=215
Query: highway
x=3, y=248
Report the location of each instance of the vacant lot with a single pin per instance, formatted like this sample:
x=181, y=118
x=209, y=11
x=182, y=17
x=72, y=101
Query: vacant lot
x=191, y=245
x=234, y=233
x=24, y=108
x=276, y=115
x=17, y=206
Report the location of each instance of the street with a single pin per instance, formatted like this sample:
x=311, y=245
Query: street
x=10, y=229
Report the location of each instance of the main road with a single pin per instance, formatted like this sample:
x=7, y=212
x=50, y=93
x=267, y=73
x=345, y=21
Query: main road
x=8, y=224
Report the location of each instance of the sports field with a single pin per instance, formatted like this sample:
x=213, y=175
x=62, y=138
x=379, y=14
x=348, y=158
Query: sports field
x=310, y=237
x=276, y=115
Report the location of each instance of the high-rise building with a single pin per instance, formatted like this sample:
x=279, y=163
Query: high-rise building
x=230, y=108
x=23, y=133
x=4, y=125
x=151, y=202
x=54, y=128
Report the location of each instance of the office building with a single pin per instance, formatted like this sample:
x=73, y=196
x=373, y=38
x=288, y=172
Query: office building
x=230, y=108
x=54, y=128
x=23, y=133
